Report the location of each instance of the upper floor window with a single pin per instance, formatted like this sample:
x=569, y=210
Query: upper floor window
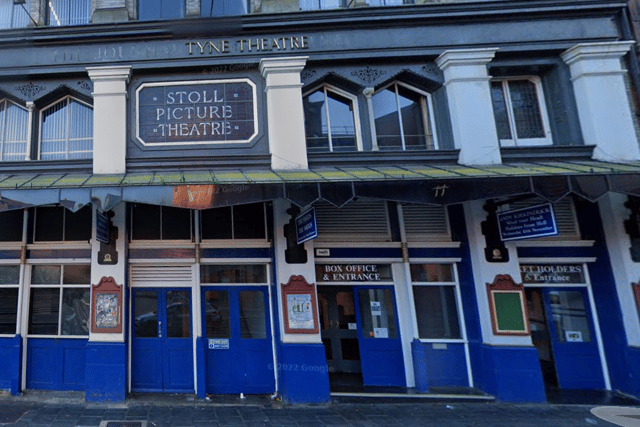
x=152, y=222
x=234, y=222
x=154, y=10
x=209, y=8
x=69, y=12
x=57, y=224
x=330, y=120
x=322, y=4
x=66, y=130
x=14, y=122
x=403, y=118
x=521, y=116
x=13, y=15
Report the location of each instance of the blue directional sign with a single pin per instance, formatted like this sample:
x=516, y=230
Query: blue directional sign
x=102, y=228
x=306, y=227
x=527, y=223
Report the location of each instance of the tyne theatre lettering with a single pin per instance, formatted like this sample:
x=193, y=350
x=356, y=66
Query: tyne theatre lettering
x=196, y=112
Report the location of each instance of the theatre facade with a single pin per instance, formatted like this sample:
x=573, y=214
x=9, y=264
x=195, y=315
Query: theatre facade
x=295, y=202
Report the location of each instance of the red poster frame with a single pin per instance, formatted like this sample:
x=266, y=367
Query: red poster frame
x=106, y=287
x=297, y=285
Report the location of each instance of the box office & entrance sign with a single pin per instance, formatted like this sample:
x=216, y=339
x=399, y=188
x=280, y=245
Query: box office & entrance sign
x=196, y=112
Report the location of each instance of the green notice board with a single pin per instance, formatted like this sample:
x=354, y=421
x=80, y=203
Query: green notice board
x=509, y=312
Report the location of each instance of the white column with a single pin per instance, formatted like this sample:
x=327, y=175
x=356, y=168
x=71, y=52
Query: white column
x=284, y=271
x=109, y=118
x=625, y=270
x=285, y=115
x=603, y=105
x=469, y=95
x=485, y=272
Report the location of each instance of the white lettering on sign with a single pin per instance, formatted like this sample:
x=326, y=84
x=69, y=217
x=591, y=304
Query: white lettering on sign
x=552, y=273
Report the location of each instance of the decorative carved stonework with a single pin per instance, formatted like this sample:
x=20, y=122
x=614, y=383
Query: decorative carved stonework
x=84, y=85
x=30, y=90
x=308, y=74
x=368, y=74
x=430, y=69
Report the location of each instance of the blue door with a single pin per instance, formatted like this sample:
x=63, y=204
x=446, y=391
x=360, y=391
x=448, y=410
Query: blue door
x=379, y=337
x=162, y=347
x=574, y=343
x=237, y=332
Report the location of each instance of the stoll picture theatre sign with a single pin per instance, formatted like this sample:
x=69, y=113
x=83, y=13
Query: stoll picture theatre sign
x=196, y=112
x=527, y=223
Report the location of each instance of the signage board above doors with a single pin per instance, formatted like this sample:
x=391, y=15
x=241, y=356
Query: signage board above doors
x=196, y=112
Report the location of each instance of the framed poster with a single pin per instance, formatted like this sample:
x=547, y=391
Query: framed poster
x=300, y=307
x=106, y=307
x=508, y=306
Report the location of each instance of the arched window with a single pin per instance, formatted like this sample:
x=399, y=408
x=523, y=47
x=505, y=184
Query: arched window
x=14, y=124
x=330, y=120
x=403, y=118
x=66, y=130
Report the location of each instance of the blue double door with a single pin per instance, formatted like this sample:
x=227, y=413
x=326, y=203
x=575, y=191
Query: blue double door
x=360, y=333
x=562, y=329
x=162, y=343
x=238, y=343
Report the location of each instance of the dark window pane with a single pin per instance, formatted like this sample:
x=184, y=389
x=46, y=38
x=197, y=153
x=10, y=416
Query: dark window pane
x=76, y=275
x=146, y=314
x=176, y=224
x=385, y=111
x=9, y=274
x=45, y=275
x=570, y=316
x=75, y=312
x=78, y=224
x=412, y=114
x=8, y=310
x=248, y=221
x=43, y=316
x=377, y=315
x=526, y=111
x=500, y=111
x=145, y=222
x=315, y=122
x=233, y=273
x=343, y=129
x=49, y=222
x=178, y=314
x=327, y=348
x=217, y=314
x=11, y=229
x=216, y=223
x=346, y=309
x=436, y=311
x=252, y=315
x=350, y=349
x=431, y=273
x=323, y=309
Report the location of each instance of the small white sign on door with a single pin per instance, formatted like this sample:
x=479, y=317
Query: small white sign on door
x=573, y=336
x=381, y=332
x=376, y=310
x=353, y=326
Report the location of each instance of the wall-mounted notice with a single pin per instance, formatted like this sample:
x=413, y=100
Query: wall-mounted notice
x=527, y=223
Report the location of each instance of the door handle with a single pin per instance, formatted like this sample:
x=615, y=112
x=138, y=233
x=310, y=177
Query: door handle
x=159, y=329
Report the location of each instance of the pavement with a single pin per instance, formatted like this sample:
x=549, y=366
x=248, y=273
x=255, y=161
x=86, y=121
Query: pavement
x=61, y=409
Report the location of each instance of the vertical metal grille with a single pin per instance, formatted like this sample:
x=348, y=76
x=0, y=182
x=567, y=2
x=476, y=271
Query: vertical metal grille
x=69, y=12
x=363, y=221
x=13, y=15
x=425, y=223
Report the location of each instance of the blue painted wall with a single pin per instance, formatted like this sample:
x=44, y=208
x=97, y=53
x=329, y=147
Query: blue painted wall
x=439, y=368
x=106, y=372
x=302, y=369
x=633, y=371
x=10, y=368
x=56, y=364
x=512, y=374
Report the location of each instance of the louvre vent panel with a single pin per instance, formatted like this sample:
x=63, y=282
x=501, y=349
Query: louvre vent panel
x=565, y=217
x=158, y=275
x=425, y=223
x=363, y=221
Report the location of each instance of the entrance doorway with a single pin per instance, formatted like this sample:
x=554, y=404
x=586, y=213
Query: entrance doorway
x=237, y=330
x=562, y=331
x=360, y=334
x=162, y=347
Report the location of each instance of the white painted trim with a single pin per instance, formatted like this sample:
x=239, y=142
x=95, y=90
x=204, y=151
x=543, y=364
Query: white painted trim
x=343, y=244
x=224, y=244
x=59, y=261
x=235, y=260
x=357, y=260
x=195, y=82
x=58, y=245
x=554, y=243
x=596, y=326
x=161, y=244
x=160, y=261
x=434, y=260
x=433, y=245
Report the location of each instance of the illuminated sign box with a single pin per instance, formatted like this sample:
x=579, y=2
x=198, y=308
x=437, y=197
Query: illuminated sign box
x=196, y=112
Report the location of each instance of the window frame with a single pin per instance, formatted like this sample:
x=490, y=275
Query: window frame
x=64, y=226
x=61, y=287
x=19, y=288
x=3, y=128
x=455, y=284
x=356, y=115
x=544, y=115
x=233, y=238
x=192, y=234
x=428, y=116
x=67, y=99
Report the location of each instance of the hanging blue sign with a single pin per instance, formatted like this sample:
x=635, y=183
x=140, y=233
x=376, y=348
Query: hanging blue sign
x=306, y=227
x=527, y=223
x=102, y=228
